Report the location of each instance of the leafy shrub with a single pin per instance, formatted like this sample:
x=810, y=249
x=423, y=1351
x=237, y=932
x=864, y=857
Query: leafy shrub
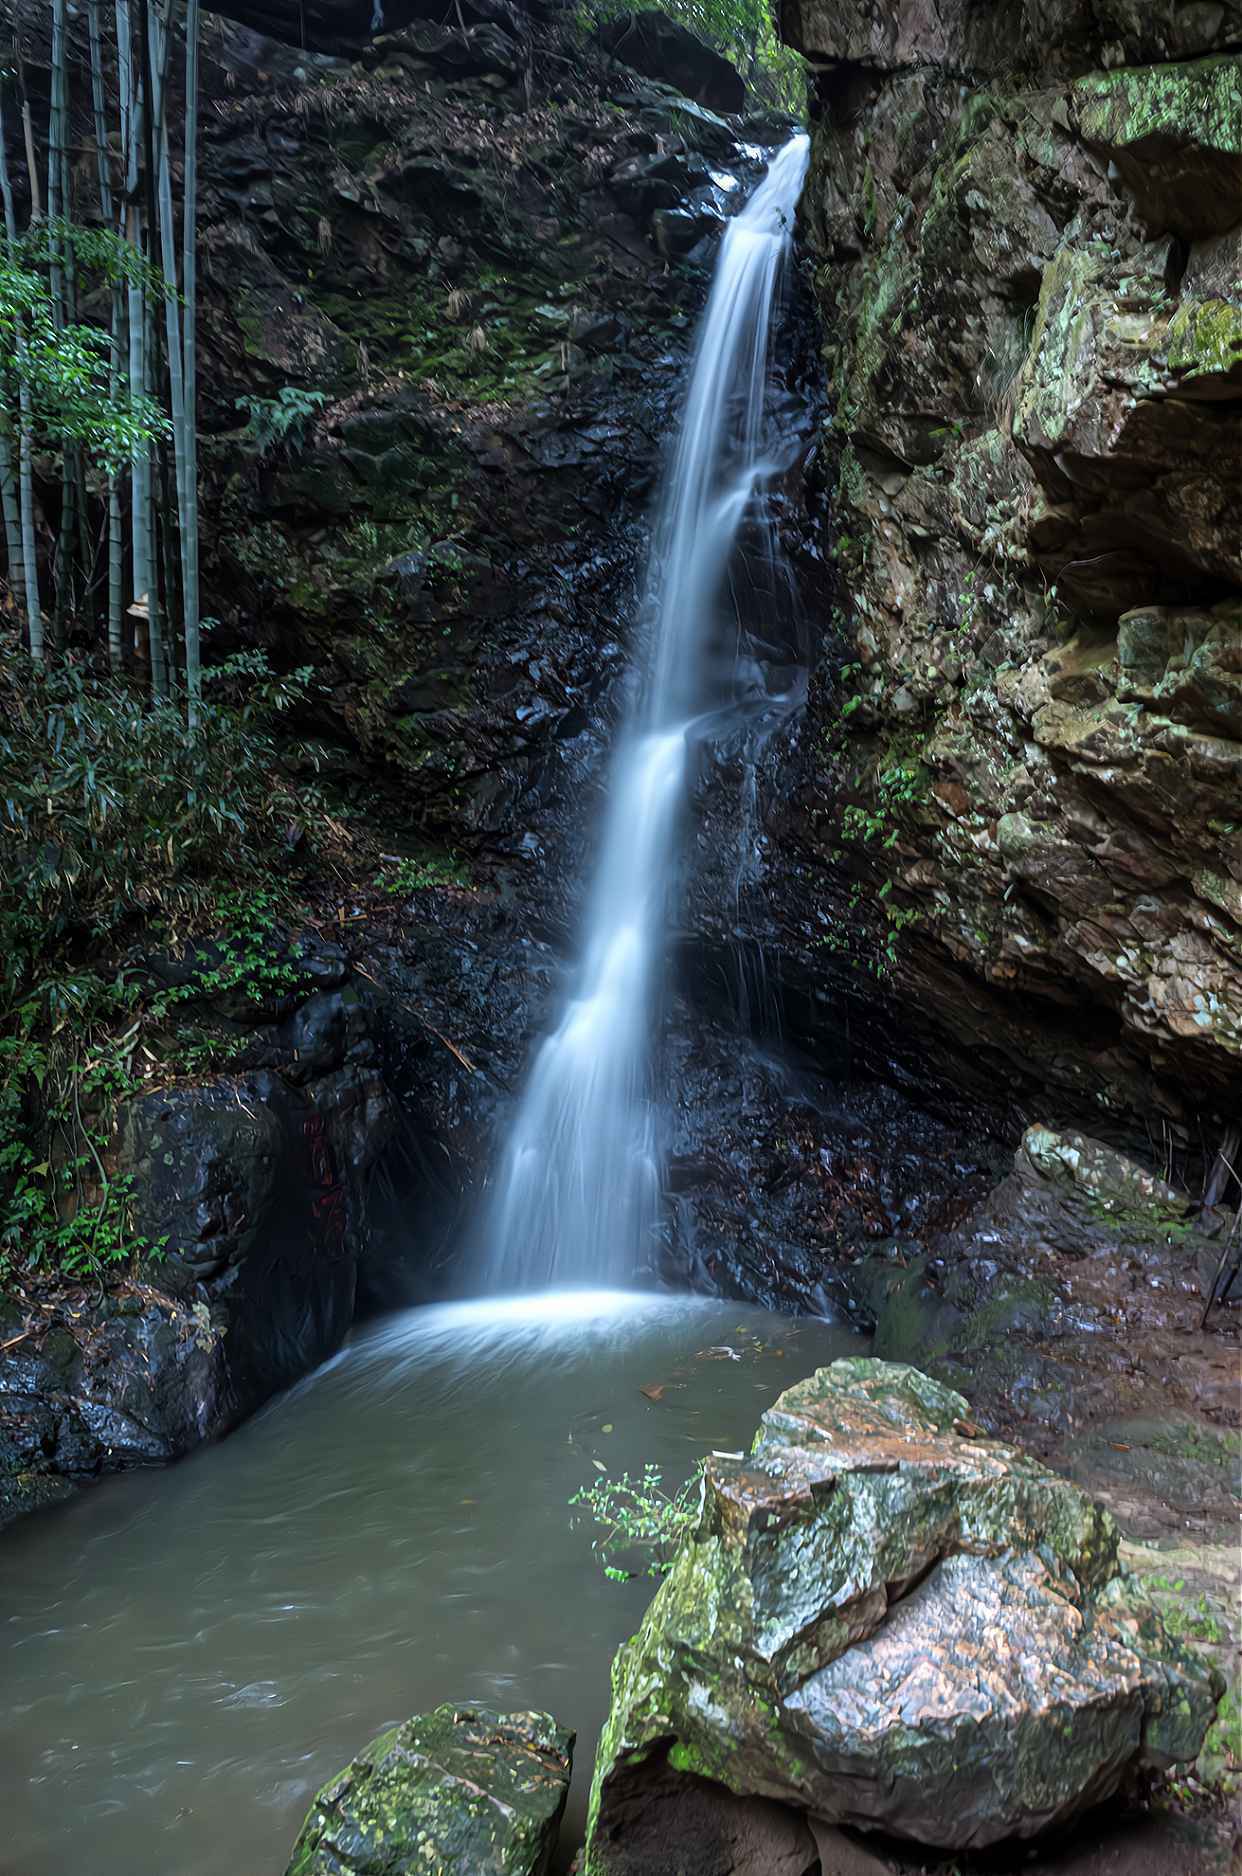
x=637, y=1514
x=116, y=817
x=63, y=370
x=114, y=811
x=59, y=1210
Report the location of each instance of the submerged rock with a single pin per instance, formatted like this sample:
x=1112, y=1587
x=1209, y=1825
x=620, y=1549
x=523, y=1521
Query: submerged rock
x=461, y=1791
x=890, y=1622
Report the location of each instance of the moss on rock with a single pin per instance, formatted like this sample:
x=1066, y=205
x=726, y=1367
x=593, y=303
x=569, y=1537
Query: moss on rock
x=889, y=1621
x=456, y=1792
x=1175, y=134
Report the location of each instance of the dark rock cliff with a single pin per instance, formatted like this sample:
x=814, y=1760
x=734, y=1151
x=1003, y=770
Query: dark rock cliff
x=1022, y=778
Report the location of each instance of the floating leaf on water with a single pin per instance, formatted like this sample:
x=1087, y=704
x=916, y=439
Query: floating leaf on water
x=654, y=1390
x=607, y=1427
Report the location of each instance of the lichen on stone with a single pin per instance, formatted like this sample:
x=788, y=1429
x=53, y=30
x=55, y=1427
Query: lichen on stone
x=888, y=1620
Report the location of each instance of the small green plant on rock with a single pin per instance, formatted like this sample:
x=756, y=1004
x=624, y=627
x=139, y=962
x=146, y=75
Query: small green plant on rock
x=280, y=419
x=967, y=602
x=418, y=875
x=1222, y=1749
x=251, y=955
x=59, y=1209
x=637, y=1514
x=898, y=918
x=898, y=785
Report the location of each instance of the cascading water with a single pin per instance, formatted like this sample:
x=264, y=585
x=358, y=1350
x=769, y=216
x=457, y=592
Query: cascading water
x=578, y=1188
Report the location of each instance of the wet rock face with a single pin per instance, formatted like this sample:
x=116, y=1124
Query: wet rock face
x=1029, y=755
x=1069, y=1303
x=658, y=47
x=466, y=267
x=460, y=1791
x=887, y=1620
x=254, y=1188
x=996, y=40
x=780, y=1176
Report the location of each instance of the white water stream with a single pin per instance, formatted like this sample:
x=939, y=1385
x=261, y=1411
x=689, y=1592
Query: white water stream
x=577, y=1192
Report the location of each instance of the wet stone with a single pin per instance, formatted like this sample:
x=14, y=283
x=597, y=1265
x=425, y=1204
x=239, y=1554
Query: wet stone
x=461, y=1791
x=888, y=1621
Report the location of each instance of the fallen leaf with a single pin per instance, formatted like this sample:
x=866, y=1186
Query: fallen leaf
x=654, y=1390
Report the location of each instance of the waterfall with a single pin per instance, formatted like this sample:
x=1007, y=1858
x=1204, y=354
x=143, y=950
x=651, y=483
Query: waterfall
x=577, y=1192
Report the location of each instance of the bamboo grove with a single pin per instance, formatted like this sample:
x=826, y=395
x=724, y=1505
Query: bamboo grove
x=98, y=393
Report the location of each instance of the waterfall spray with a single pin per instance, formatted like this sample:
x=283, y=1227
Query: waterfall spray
x=577, y=1192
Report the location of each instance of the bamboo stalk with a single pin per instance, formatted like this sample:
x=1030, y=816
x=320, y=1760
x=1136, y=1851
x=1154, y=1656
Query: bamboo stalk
x=189, y=346
x=9, y=502
x=55, y=163
x=155, y=629
x=32, y=167
x=29, y=551
x=157, y=55
x=107, y=210
x=129, y=69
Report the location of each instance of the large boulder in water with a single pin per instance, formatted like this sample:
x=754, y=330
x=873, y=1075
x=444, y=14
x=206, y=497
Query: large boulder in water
x=660, y=48
x=890, y=1622
x=461, y=1791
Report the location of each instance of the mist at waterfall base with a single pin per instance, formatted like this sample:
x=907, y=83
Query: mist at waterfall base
x=576, y=1196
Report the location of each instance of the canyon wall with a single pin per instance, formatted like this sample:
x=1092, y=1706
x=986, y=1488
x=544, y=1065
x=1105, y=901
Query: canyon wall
x=1021, y=784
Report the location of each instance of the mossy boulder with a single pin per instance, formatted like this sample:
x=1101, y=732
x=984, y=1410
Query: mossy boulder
x=888, y=1621
x=461, y=1791
x=1106, y=1178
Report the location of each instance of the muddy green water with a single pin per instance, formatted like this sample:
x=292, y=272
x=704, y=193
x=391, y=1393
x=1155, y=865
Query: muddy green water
x=185, y=1656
